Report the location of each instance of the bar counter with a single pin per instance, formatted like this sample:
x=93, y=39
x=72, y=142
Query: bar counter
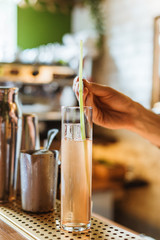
x=17, y=224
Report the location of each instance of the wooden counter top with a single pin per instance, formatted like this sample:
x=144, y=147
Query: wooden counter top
x=9, y=233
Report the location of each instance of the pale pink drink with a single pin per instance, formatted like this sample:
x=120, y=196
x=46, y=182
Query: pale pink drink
x=76, y=173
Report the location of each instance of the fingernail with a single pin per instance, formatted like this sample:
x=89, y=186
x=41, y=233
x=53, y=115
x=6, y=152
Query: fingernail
x=85, y=90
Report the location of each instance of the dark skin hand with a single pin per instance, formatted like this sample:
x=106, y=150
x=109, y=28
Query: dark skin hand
x=111, y=108
x=114, y=110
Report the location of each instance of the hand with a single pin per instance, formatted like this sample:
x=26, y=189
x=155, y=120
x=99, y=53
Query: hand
x=111, y=108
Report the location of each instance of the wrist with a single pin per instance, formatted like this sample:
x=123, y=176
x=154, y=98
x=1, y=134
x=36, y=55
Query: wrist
x=146, y=123
x=137, y=114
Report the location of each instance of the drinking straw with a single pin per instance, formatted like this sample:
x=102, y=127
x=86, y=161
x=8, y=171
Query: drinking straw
x=81, y=93
x=83, y=135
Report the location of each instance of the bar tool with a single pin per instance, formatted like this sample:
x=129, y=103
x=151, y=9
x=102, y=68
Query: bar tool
x=10, y=142
x=39, y=170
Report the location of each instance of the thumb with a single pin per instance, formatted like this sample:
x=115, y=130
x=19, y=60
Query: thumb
x=96, y=89
x=85, y=93
x=87, y=97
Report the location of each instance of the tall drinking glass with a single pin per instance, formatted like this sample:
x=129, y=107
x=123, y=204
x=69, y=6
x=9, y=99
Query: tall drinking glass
x=76, y=170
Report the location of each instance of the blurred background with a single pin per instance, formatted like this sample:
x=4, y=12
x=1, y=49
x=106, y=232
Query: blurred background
x=39, y=53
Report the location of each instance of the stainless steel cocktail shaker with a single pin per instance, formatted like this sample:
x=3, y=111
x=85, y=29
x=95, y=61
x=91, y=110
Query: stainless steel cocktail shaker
x=10, y=142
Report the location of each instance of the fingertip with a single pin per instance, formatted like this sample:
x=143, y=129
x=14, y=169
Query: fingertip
x=75, y=81
x=86, y=82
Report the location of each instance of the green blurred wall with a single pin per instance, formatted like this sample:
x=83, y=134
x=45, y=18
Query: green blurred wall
x=40, y=27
